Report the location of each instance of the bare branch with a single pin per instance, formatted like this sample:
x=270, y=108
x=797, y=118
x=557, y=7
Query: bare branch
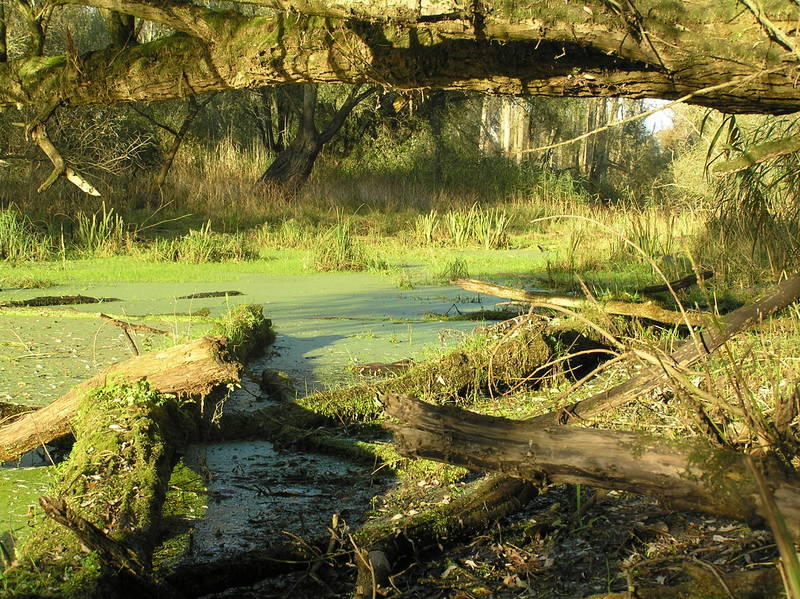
x=39, y=135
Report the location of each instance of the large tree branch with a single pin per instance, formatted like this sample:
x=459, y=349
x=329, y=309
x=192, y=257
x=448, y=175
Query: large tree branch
x=258, y=51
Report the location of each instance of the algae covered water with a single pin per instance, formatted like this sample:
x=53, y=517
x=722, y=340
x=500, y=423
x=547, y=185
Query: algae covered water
x=326, y=325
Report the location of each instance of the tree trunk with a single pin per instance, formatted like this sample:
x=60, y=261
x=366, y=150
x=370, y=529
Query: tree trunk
x=3, y=33
x=687, y=475
x=169, y=156
x=647, y=310
x=292, y=167
x=121, y=27
x=191, y=369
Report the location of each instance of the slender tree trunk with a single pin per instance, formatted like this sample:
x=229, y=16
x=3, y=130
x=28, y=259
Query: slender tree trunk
x=169, y=157
x=35, y=27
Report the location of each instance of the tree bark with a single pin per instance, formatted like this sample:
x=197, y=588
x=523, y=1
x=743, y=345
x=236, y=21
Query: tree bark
x=687, y=475
x=192, y=369
x=532, y=49
x=3, y=33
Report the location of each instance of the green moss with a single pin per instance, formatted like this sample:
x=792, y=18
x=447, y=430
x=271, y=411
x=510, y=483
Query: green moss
x=114, y=478
x=185, y=502
x=248, y=331
x=34, y=66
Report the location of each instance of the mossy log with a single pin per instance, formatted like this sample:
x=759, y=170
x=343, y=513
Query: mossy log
x=192, y=369
x=686, y=475
x=382, y=546
x=455, y=377
x=646, y=310
x=109, y=494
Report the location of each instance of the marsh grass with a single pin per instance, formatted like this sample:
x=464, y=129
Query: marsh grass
x=290, y=233
x=101, y=233
x=452, y=270
x=339, y=249
x=19, y=239
x=202, y=245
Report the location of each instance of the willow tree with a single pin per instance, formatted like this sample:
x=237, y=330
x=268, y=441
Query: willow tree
x=736, y=56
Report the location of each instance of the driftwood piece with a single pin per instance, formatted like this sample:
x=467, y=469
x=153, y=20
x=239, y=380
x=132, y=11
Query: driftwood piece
x=682, y=283
x=687, y=475
x=191, y=369
x=687, y=354
x=127, y=327
x=39, y=135
x=206, y=294
x=647, y=310
x=132, y=326
x=382, y=368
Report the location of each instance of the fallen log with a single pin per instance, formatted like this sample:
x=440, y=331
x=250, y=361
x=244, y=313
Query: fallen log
x=57, y=300
x=455, y=376
x=381, y=547
x=106, y=503
x=687, y=474
x=647, y=310
x=682, y=283
x=105, y=507
x=702, y=344
x=191, y=369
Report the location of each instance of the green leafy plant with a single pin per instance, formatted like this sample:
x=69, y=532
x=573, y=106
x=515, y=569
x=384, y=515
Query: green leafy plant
x=18, y=238
x=101, y=233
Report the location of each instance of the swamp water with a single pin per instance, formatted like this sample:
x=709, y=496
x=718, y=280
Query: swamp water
x=325, y=323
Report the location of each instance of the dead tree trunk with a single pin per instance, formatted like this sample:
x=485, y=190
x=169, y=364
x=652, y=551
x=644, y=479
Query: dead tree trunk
x=647, y=310
x=191, y=369
x=292, y=166
x=687, y=475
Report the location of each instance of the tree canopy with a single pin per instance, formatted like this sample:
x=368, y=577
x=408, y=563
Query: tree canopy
x=737, y=56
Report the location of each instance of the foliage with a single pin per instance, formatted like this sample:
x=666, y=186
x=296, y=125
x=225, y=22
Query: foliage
x=19, y=239
x=753, y=228
x=339, y=249
x=101, y=233
x=248, y=331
